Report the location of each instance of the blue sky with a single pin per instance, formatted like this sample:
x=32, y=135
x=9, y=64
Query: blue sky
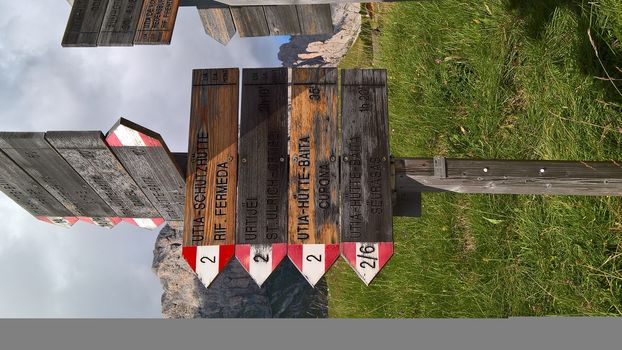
x=88, y=271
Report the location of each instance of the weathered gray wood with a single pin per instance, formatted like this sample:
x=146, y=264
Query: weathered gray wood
x=153, y=168
x=262, y=169
x=84, y=23
x=26, y=192
x=34, y=155
x=156, y=23
x=89, y=156
x=250, y=21
x=511, y=177
x=218, y=23
x=365, y=168
x=283, y=20
x=315, y=19
x=283, y=2
x=120, y=23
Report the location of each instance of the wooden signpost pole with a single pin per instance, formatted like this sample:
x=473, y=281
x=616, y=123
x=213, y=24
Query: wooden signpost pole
x=209, y=216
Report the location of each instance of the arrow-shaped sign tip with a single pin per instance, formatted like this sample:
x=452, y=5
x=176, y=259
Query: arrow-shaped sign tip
x=260, y=260
x=66, y=222
x=313, y=260
x=208, y=261
x=367, y=258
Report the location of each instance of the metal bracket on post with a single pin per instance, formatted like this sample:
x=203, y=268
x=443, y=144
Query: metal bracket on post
x=440, y=167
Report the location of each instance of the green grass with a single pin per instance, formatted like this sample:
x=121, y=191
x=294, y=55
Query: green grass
x=498, y=79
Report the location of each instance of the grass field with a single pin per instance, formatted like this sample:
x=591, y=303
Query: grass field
x=498, y=79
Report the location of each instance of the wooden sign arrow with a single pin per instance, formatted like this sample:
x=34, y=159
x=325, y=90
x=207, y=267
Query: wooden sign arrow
x=366, y=215
x=209, y=216
x=261, y=241
x=314, y=172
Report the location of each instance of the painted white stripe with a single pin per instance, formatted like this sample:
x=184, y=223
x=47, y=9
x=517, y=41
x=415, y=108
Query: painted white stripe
x=367, y=261
x=207, y=263
x=145, y=223
x=128, y=137
x=313, y=262
x=260, y=263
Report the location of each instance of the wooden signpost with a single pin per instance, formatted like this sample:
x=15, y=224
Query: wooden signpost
x=120, y=23
x=366, y=214
x=209, y=218
x=314, y=172
x=261, y=240
x=85, y=22
x=156, y=22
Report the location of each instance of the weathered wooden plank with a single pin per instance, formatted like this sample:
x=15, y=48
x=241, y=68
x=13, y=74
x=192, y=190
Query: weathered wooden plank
x=315, y=19
x=261, y=241
x=34, y=155
x=283, y=2
x=250, y=21
x=146, y=158
x=282, y=20
x=366, y=214
x=89, y=156
x=85, y=21
x=120, y=23
x=209, y=215
x=314, y=172
x=156, y=23
x=218, y=23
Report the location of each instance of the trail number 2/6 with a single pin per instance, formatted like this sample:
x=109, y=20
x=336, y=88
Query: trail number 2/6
x=366, y=252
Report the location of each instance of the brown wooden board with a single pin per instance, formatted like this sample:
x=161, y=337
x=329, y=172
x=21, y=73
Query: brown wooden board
x=120, y=23
x=282, y=20
x=85, y=21
x=156, y=23
x=218, y=23
x=261, y=241
x=315, y=19
x=250, y=21
x=366, y=214
x=88, y=154
x=146, y=158
x=209, y=215
x=314, y=172
x=34, y=155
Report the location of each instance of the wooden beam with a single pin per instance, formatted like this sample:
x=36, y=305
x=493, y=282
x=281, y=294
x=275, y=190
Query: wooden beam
x=218, y=23
x=250, y=21
x=283, y=20
x=156, y=23
x=120, y=23
x=273, y=2
x=84, y=24
x=315, y=19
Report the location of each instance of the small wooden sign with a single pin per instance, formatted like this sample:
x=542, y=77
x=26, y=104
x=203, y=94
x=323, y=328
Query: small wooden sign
x=366, y=215
x=211, y=180
x=261, y=241
x=31, y=196
x=120, y=23
x=156, y=23
x=36, y=157
x=314, y=172
x=88, y=154
x=85, y=22
x=146, y=158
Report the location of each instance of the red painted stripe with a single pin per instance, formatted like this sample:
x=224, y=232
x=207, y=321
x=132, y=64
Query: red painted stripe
x=44, y=219
x=348, y=250
x=72, y=220
x=190, y=254
x=85, y=219
x=279, y=250
x=113, y=141
x=332, y=253
x=158, y=221
x=243, y=254
x=226, y=253
x=385, y=251
x=294, y=251
x=130, y=221
x=149, y=141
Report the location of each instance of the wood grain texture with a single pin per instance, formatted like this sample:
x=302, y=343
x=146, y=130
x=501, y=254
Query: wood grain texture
x=89, y=156
x=315, y=19
x=120, y=23
x=209, y=214
x=155, y=171
x=285, y=2
x=282, y=20
x=156, y=23
x=218, y=23
x=250, y=21
x=40, y=160
x=26, y=192
x=262, y=169
x=84, y=24
x=366, y=213
x=314, y=148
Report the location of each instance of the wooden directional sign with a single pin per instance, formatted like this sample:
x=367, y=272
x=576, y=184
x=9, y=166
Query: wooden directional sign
x=262, y=172
x=156, y=22
x=88, y=154
x=313, y=176
x=120, y=22
x=209, y=216
x=366, y=216
x=36, y=157
x=84, y=23
x=146, y=158
x=26, y=192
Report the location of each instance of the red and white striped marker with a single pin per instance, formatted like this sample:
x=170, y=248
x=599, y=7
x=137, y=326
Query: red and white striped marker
x=148, y=223
x=66, y=222
x=313, y=260
x=101, y=222
x=124, y=136
x=208, y=260
x=260, y=260
x=367, y=258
